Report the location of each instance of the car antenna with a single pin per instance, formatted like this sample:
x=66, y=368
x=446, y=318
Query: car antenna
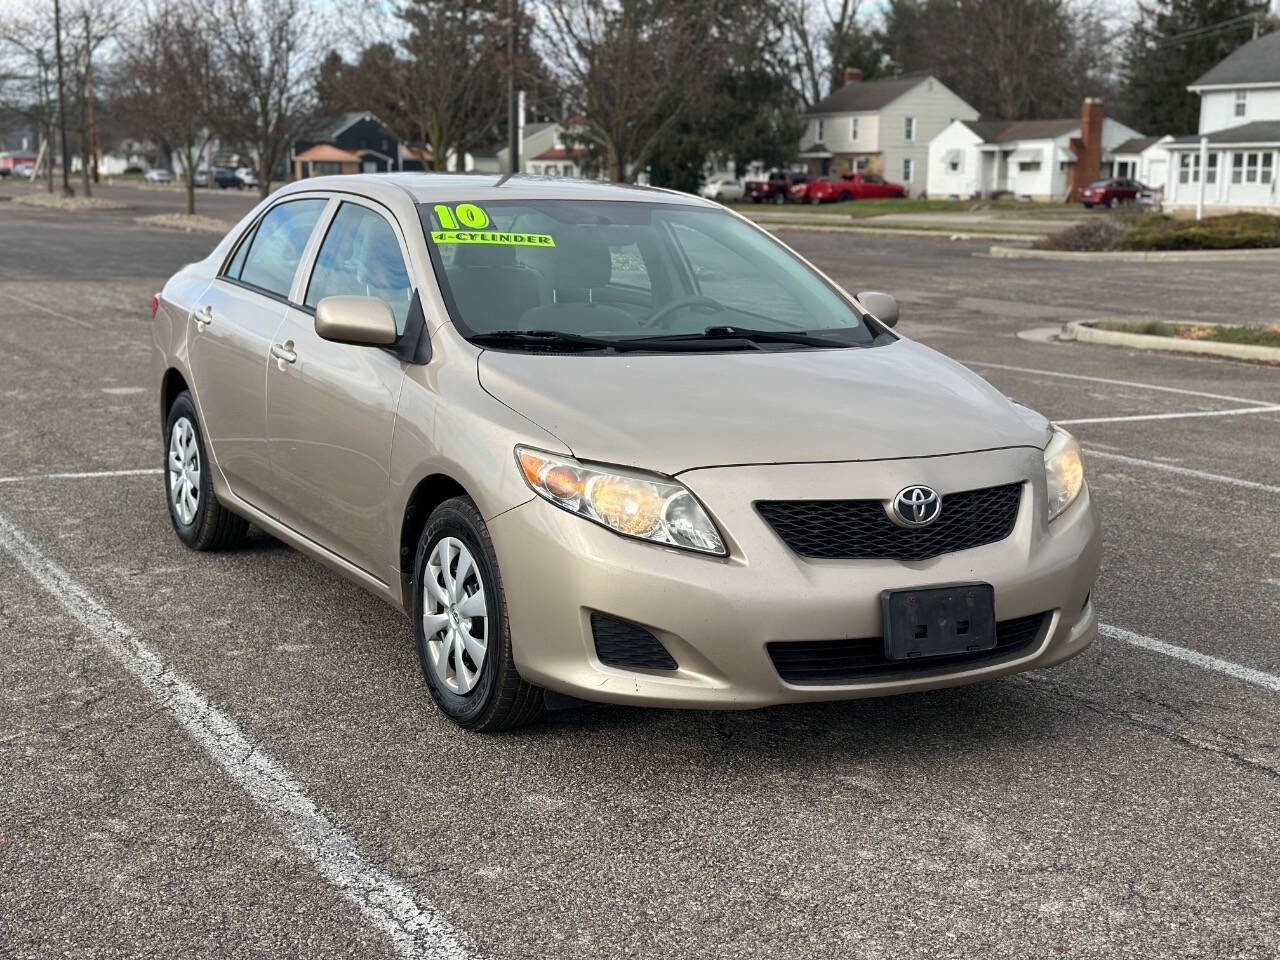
x=504, y=178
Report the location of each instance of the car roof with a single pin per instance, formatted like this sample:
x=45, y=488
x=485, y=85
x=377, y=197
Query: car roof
x=482, y=187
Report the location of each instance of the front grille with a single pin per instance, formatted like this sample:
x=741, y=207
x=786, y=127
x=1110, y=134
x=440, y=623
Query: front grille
x=861, y=530
x=850, y=661
x=620, y=643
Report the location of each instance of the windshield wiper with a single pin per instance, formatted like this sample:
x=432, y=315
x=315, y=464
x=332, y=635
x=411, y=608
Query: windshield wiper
x=541, y=338
x=742, y=333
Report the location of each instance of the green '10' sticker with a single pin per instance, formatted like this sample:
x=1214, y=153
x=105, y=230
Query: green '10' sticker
x=463, y=215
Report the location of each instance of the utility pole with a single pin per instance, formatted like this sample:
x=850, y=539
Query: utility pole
x=88, y=95
x=62, y=102
x=513, y=109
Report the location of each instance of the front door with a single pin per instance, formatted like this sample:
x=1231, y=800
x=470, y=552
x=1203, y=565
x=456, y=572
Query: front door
x=233, y=327
x=331, y=408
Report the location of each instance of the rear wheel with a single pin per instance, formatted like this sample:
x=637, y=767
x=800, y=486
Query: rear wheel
x=199, y=520
x=460, y=623
x=1114, y=203
x=779, y=198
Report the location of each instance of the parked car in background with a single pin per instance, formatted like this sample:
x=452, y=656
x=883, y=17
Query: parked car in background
x=852, y=186
x=722, y=187
x=224, y=178
x=157, y=175
x=25, y=170
x=247, y=177
x=5, y=171
x=776, y=189
x=1112, y=193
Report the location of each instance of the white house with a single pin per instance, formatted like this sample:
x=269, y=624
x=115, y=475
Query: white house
x=1240, y=120
x=880, y=126
x=1145, y=159
x=1028, y=158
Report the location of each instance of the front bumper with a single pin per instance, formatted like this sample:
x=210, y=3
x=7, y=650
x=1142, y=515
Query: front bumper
x=715, y=616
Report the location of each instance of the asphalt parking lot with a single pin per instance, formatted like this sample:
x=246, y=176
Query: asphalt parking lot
x=234, y=754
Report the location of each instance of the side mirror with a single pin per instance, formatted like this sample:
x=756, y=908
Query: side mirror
x=882, y=306
x=361, y=321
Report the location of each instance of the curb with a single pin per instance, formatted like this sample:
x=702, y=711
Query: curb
x=1082, y=331
x=1133, y=256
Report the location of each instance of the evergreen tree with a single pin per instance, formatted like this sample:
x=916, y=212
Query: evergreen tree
x=1172, y=43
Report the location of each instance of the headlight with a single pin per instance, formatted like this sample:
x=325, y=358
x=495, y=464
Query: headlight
x=1063, y=471
x=635, y=504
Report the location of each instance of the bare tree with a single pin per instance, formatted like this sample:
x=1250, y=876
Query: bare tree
x=823, y=38
x=630, y=67
x=173, y=85
x=98, y=22
x=26, y=77
x=267, y=52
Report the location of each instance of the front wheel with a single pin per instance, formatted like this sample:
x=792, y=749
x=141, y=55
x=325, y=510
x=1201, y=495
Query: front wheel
x=460, y=623
x=779, y=198
x=199, y=520
x=1114, y=203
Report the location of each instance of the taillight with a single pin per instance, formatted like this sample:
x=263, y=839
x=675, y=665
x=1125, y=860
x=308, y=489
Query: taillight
x=155, y=305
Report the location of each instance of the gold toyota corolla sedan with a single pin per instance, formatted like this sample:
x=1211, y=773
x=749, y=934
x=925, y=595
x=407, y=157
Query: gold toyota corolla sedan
x=613, y=444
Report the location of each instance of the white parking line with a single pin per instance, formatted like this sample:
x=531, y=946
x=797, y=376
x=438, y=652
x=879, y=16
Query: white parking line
x=1117, y=383
x=1092, y=453
x=413, y=926
x=1173, y=416
x=92, y=475
x=53, y=313
x=1268, y=681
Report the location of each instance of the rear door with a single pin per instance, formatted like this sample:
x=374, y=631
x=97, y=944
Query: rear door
x=232, y=330
x=331, y=408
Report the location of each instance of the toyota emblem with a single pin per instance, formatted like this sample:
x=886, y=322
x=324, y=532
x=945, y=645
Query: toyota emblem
x=917, y=506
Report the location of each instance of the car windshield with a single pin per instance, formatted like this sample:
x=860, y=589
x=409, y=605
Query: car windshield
x=1100, y=183
x=621, y=271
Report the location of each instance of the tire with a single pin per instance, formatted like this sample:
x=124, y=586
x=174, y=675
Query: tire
x=1114, y=203
x=815, y=200
x=1088, y=206
x=208, y=525
x=779, y=198
x=493, y=696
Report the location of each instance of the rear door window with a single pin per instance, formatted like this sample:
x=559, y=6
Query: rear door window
x=277, y=246
x=360, y=257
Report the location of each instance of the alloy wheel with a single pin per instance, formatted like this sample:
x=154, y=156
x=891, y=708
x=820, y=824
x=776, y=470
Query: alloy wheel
x=455, y=621
x=184, y=471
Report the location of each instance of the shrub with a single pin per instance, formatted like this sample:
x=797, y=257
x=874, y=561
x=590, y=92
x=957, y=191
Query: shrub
x=1235, y=231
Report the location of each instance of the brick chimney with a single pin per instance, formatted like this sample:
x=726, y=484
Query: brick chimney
x=852, y=75
x=1088, y=146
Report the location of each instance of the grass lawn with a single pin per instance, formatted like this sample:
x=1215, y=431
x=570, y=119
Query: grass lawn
x=1257, y=336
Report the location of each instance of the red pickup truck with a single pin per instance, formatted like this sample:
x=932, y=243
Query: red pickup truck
x=779, y=188
x=847, y=186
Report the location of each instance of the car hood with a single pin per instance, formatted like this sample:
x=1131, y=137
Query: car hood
x=675, y=412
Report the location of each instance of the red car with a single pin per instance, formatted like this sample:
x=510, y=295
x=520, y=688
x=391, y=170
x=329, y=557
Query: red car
x=847, y=186
x=1111, y=193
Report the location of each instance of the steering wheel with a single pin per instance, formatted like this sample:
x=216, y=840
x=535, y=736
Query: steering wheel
x=705, y=304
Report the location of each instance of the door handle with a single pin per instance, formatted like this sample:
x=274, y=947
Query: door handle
x=205, y=316
x=284, y=352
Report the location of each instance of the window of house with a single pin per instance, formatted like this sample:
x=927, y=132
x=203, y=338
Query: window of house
x=861, y=164
x=907, y=166
x=954, y=160
x=1242, y=102
x=324, y=168
x=1211, y=171
x=1028, y=166
x=909, y=131
x=1189, y=167
x=1251, y=167
x=853, y=128
x=820, y=128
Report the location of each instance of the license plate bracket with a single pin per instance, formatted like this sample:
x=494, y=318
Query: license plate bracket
x=939, y=621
